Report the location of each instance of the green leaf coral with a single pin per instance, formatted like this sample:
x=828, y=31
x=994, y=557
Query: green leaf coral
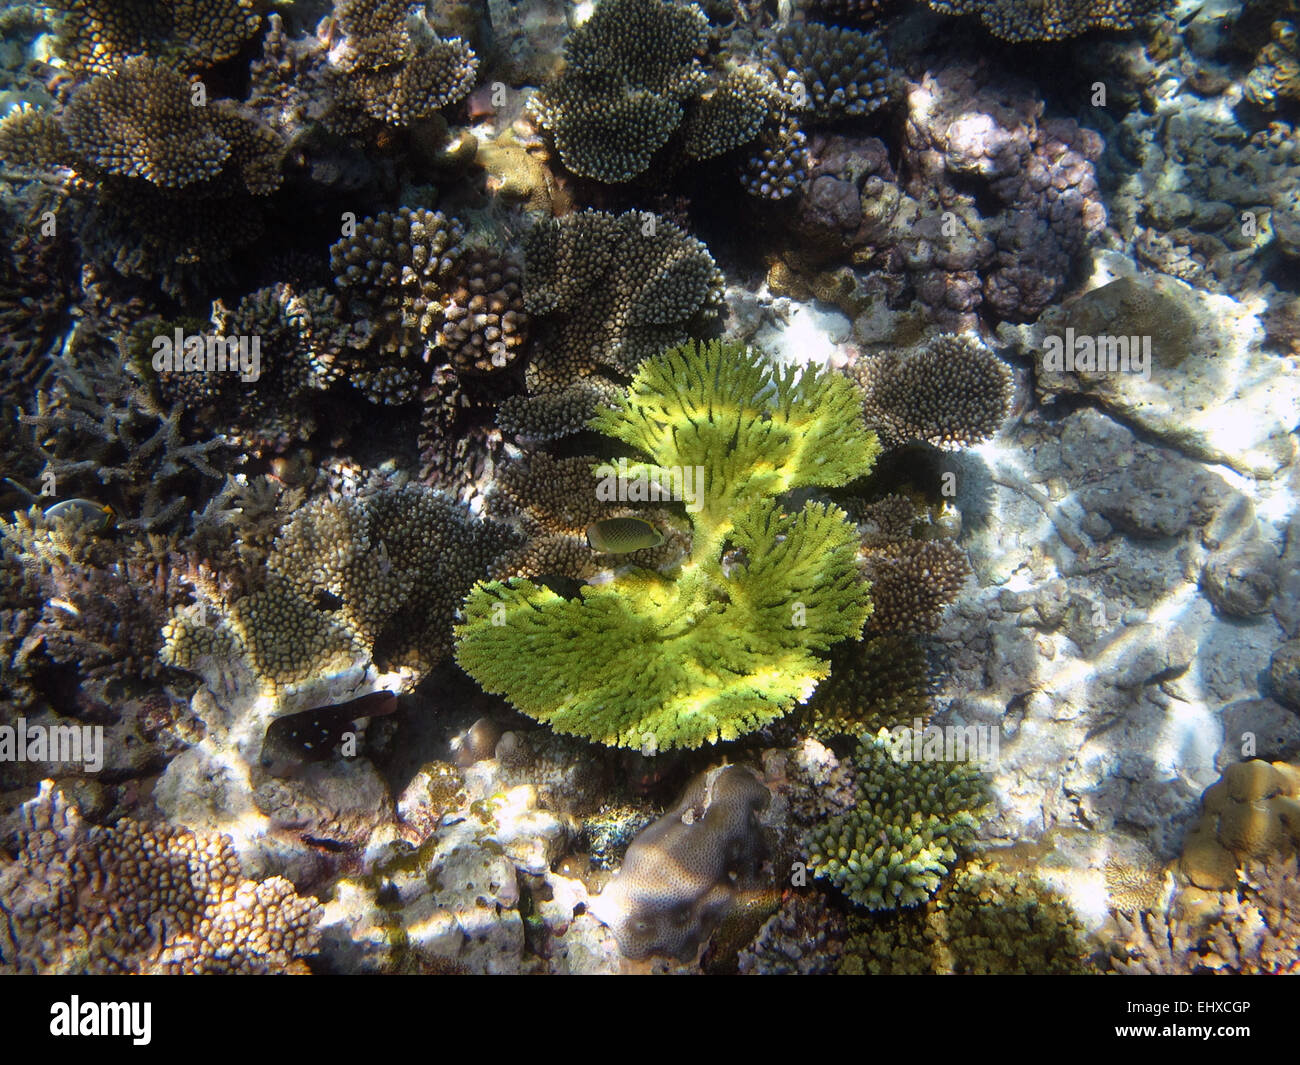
x=656, y=663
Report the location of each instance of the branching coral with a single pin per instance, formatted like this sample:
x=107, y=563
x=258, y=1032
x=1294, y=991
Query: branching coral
x=394, y=70
x=96, y=605
x=830, y=72
x=649, y=662
x=1052, y=20
x=902, y=836
x=984, y=921
x=190, y=34
x=631, y=69
x=555, y=501
x=141, y=899
x=607, y=291
x=952, y=393
x=377, y=578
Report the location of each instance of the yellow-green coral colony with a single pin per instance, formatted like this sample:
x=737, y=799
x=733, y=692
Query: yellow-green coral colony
x=655, y=662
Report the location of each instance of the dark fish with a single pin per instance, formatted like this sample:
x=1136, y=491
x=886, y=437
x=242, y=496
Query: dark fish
x=619, y=536
x=312, y=735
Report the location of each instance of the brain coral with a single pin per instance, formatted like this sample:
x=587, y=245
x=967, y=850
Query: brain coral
x=141, y=899
x=900, y=839
x=651, y=662
x=680, y=876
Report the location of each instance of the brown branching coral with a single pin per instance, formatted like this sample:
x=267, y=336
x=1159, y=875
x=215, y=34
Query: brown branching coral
x=98, y=433
x=141, y=899
x=830, y=72
x=952, y=393
x=912, y=582
x=394, y=272
x=555, y=500
x=394, y=70
x=1050, y=20
x=485, y=324
x=631, y=70
x=377, y=578
x=610, y=291
x=190, y=34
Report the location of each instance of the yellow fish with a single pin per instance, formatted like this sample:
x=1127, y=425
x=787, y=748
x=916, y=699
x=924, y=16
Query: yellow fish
x=619, y=536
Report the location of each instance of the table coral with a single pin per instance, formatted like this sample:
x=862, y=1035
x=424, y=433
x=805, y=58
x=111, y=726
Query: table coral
x=720, y=653
x=141, y=899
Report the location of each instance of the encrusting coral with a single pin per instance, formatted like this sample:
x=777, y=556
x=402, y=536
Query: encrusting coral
x=893, y=848
x=141, y=899
x=654, y=663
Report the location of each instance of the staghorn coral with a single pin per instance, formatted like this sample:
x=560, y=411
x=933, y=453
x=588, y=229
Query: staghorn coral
x=141, y=899
x=101, y=435
x=952, y=392
x=830, y=72
x=901, y=838
x=718, y=651
x=680, y=876
x=606, y=291
x=100, y=35
x=1050, y=20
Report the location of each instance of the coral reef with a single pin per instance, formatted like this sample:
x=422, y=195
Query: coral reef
x=681, y=875
x=377, y=578
x=101, y=35
x=751, y=647
x=141, y=899
x=630, y=71
x=902, y=835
